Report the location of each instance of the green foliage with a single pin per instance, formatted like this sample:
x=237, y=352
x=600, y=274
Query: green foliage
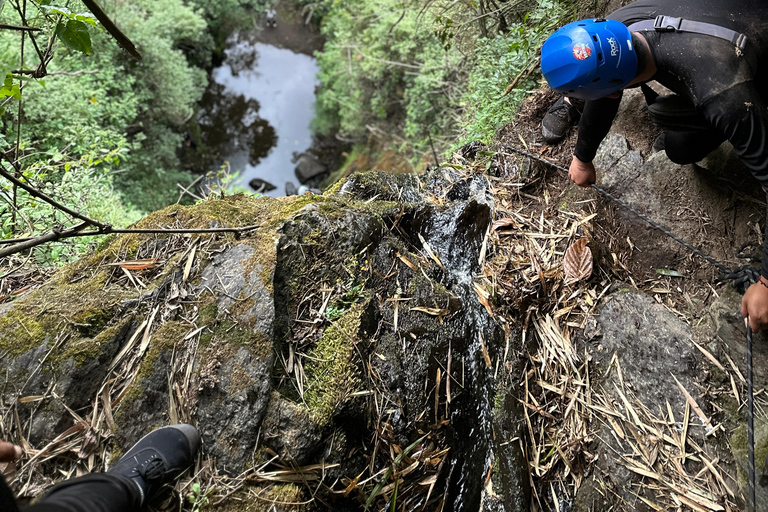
x=499, y=61
x=74, y=34
x=341, y=305
x=423, y=70
x=197, y=498
x=381, y=65
x=9, y=88
x=84, y=185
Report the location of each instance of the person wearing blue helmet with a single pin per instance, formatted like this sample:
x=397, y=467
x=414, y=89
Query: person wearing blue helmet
x=712, y=55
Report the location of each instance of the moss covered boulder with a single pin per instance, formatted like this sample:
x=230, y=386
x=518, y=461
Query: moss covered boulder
x=335, y=357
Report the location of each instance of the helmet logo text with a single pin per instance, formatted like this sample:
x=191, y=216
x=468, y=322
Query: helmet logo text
x=614, y=46
x=581, y=51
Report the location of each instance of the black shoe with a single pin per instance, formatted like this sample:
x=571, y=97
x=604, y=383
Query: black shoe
x=159, y=457
x=559, y=119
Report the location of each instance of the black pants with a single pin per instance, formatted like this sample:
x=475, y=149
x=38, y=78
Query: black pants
x=687, y=136
x=97, y=492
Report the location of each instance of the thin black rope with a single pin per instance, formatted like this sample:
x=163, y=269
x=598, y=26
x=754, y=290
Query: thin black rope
x=629, y=208
x=750, y=423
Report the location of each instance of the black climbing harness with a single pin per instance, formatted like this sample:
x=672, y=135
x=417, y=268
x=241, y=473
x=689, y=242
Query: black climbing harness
x=742, y=276
x=672, y=24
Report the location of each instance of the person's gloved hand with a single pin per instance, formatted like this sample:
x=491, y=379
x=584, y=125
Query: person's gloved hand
x=582, y=173
x=754, y=305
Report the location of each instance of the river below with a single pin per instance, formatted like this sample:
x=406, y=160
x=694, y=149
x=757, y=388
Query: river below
x=257, y=110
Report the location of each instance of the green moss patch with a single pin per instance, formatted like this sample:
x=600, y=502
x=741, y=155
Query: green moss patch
x=330, y=369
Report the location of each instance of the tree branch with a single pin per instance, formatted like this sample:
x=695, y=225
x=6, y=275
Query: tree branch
x=21, y=244
x=38, y=240
x=36, y=193
x=4, y=26
x=121, y=38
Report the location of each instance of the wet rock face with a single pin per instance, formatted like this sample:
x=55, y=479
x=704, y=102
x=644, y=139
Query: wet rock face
x=348, y=319
x=680, y=197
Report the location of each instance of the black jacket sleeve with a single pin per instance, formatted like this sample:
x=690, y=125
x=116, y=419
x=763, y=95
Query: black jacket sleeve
x=595, y=123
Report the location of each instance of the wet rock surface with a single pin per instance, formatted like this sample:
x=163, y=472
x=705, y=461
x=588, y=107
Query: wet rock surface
x=345, y=334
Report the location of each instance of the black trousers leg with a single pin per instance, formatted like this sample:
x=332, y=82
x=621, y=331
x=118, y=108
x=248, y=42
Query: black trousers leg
x=688, y=137
x=96, y=492
x=690, y=146
x=7, y=501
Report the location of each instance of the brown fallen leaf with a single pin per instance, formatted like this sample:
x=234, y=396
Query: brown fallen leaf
x=482, y=296
x=136, y=264
x=406, y=261
x=577, y=263
x=504, y=224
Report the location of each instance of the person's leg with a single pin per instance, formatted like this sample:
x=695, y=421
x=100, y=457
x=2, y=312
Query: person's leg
x=158, y=458
x=97, y=492
x=560, y=117
x=687, y=136
x=7, y=501
x=688, y=147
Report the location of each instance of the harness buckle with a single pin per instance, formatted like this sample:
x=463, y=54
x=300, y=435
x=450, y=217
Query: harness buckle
x=741, y=42
x=667, y=23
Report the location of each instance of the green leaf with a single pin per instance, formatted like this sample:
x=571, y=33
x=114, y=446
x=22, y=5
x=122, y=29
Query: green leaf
x=53, y=9
x=75, y=36
x=9, y=88
x=196, y=488
x=670, y=273
x=86, y=17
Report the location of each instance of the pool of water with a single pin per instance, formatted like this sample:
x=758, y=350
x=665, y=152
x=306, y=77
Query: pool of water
x=257, y=110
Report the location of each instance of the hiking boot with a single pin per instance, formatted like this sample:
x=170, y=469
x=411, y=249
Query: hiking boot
x=559, y=119
x=159, y=457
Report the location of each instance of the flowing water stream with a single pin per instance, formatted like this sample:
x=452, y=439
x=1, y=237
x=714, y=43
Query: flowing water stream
x=257, y=110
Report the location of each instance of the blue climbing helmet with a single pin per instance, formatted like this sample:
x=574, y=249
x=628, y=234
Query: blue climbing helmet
x=589, y=59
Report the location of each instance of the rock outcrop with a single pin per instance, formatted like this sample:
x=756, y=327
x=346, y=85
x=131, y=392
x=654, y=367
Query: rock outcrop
x=342, y=338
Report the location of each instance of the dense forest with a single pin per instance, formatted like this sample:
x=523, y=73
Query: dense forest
x=102, y=131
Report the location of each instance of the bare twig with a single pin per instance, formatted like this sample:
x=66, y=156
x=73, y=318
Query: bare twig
x=108, y=230
x=36, y=193
x=34, y=72
x=48, y=237
x=121, y=38
x=4, y=26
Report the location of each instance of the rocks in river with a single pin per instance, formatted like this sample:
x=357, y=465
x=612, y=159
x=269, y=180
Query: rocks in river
x=308, y=167
x=261, y=186
x=290, y=189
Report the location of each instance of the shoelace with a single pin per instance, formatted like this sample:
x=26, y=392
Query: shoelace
x=562, y=110
x=155, y=469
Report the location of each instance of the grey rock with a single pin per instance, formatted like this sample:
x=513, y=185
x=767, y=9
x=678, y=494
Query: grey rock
x=235, y=275
x=651, y=345
x=230, y=412
x=290, y=432
x=76, y=383
x=290, y=189
x=308, y=167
